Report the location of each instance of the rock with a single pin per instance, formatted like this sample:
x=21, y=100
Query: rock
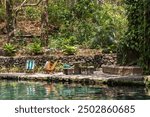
x=2, y=52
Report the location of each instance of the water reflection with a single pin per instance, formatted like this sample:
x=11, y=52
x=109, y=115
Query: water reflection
x=24, y=90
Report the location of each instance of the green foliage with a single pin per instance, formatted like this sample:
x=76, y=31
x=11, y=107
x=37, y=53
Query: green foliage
x=134, y=49
x=90, y=24
x=110, y=49
x=32, y=13
x=111, y=26
x=2, y=13
x=34, y=48
x=69, y=50
x=58, y=13
x=9, y=49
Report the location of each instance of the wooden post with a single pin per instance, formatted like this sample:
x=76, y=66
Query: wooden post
x=44, y=23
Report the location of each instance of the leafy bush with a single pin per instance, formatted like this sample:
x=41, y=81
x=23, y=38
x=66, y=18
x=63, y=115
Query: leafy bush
x=110, y=49
x=9, y=49
x=34, y=48
x=32, y=13
x=59, y=13
x=90, y=24
x=69, y=50
x=2, y=13
x=134, y=48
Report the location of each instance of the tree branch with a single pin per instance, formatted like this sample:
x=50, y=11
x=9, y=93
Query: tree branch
x=19, y=7
x=33, y=4
x=23, y=4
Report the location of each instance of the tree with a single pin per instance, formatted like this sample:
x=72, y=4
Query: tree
x=9, y=19
x=12, y=14
x=134, y=49
x=44, y=23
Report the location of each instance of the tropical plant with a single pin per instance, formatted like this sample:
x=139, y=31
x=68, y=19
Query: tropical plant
x=32, y=13
x=9, y=49
x=69, y=50
x=34, y=48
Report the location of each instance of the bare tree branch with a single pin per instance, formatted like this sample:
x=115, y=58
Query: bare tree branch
x=23, y=4
x=33, y=4
x=20, y=7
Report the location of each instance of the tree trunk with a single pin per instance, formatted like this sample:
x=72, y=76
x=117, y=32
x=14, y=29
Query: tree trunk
x=44, y=24
x=9, y=19
x=0, y=3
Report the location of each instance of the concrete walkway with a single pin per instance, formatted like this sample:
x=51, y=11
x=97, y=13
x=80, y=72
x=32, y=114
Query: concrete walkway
x=97, y=77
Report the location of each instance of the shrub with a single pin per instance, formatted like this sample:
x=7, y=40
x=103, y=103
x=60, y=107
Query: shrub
x=2, y=13
x=69, y=50
x=9, y=49
x=34, y=48
x=32, y=13
x=91, y=25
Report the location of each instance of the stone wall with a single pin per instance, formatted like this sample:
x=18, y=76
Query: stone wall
x=109, y=59
x=97, y=60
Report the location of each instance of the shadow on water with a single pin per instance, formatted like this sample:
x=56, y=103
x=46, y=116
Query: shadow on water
x=25, y=90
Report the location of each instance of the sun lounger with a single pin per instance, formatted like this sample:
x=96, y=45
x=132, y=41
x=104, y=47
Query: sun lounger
x=30, y=65
x=50, y=67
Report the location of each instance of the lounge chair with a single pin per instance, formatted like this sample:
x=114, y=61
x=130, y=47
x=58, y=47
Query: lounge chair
x=30, y=65
x=50, y=67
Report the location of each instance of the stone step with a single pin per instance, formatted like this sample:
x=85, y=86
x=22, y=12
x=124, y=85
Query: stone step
x=122, y=70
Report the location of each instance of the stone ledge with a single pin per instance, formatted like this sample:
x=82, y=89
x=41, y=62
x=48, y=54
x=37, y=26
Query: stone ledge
x=122, y=70
x=97, y=78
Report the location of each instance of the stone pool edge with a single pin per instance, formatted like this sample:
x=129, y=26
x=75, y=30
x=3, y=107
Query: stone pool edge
x=111, y=80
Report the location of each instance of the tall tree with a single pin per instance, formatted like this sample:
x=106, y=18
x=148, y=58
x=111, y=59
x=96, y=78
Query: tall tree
x=44, y=23
x=9, y=19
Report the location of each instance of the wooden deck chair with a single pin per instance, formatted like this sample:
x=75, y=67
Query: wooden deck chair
x=50, y=67
x=30, y=65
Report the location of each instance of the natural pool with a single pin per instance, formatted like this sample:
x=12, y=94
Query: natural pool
x=25, y=90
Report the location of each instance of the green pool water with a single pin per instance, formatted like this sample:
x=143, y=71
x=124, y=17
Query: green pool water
x=25, y=90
